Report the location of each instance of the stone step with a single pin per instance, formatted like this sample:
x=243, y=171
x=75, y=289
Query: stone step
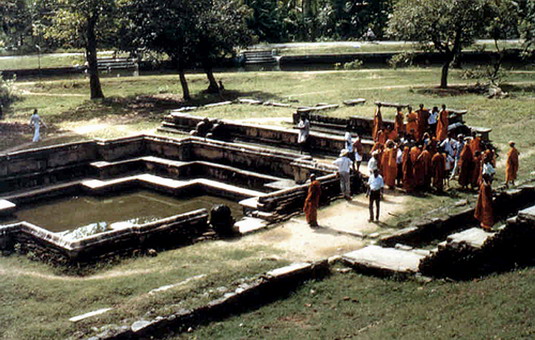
x=379, y=260
x=474, y=237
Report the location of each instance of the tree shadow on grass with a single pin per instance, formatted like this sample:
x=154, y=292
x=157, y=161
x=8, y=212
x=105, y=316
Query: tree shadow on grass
x=530, y=89
x=149, y=107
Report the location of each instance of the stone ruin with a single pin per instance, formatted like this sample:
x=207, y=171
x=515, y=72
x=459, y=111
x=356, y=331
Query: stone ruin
x=267, y=184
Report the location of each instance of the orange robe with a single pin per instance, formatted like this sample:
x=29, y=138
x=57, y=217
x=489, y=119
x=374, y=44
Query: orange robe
x=475, y=145
x=390, y=167
x=425, y=160
x=442, y=125
x=466, y=166
x=377, y=123
x=511, y=166
x=423, y=116
x=312, y=202
x=381, y=137
x=477, y=173
x=484, y=213
x=418, y=167
x=412, y=125
x=399, y=125
x=438, y=163
x=408, y=175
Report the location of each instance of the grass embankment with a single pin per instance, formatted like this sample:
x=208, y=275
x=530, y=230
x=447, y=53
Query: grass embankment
x=48, y=60
x=37, y=300
x=352, y=306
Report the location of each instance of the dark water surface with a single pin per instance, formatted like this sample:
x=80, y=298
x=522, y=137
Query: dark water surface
x=99, y=214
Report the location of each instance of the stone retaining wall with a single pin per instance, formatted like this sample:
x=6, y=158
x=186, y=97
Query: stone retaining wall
x=45, y=245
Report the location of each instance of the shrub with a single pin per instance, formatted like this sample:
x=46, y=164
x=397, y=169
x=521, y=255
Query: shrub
x=401, y=59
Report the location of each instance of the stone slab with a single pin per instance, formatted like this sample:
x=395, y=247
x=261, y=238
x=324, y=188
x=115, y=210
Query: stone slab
x=390, y=259
x=474, y=237
x=250, y=224
x=283, y=271
x=353, y=102
x=167, y=287
x=6, y=207
x=90, y=314
x=528, y=214
x=218, y=104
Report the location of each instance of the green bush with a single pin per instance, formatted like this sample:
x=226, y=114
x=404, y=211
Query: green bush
x=7, y=91
x=352, y=65
x=401, y=59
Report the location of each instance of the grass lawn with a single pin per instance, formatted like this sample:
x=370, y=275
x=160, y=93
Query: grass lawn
x=352, y=306
x=37, y=300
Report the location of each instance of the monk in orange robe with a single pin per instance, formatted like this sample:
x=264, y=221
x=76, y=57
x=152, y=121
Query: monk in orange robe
x=475, y=144
x=412, y=124
x=425, y=161
x=381, y=137
x=511, y=165
x=408, y=174
x=438, y=163
x=417, y=167
x=377, y=122
x=484, y=212
x=399, y=125
x=466, y=166
x=389, y=165
x=423, y=116
x=478, y=168
x=312, y=201
x=442, y=124
x=391, y=134
x=378, y=147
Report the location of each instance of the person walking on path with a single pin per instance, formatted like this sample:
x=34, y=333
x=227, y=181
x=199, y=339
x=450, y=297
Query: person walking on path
x=484, y=212
x=375, y=188
x=511, y=166
x=344, y=166
x=36, y=122
x=312, y=201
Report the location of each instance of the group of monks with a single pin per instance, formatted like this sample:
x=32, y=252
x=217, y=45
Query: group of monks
x=414, y=154
x=418, y=152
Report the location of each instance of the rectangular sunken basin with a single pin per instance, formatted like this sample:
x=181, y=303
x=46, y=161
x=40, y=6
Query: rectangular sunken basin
x=76, y=217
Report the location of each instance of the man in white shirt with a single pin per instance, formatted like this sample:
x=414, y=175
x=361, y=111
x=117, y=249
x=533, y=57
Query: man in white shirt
x=375, y=187
x=344, y=166
x=373, y=163
x=432, y=120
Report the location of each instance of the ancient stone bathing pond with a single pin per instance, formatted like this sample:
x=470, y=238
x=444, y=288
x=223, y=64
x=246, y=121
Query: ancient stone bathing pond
x=85, y=201
x=81, y=216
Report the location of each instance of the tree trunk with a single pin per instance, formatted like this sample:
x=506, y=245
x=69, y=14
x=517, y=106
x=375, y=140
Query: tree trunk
x=183, y=81
x=212, y=87
x=445, y=70
x=91, y=56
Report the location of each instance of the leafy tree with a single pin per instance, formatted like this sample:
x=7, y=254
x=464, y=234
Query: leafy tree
x=527, y=25
x=164, y=27
x=84, y=23
x=449, y=25
x=266, y=21
x=502, y=24
x=220, y=29
x=15, y=23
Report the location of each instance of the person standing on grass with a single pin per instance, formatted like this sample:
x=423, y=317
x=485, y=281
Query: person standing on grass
x=375, y=188
x=36, y=122
x=438, y=164
x=312, y=201
x=511, y=165
x=484, y=212
x=344, y=167
x=304, y=132
x=423, y=116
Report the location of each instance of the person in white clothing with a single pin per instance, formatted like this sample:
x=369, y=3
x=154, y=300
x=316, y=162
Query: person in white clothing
x=344, y=166
x=375, y=187
x=36, y=122
x=432, y=120
x=373, y=163
x=304, y=132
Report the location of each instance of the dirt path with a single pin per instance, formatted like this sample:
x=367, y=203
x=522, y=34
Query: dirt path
x=339, y=223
